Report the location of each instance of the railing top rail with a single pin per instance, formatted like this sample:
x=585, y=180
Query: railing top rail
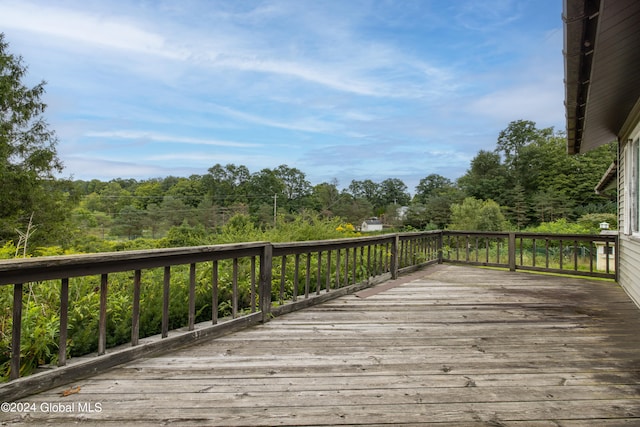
x=504, y=234
x=551, y=236
x=331, y=244
x=409, y=234
x=63, y=266
x=555, y=236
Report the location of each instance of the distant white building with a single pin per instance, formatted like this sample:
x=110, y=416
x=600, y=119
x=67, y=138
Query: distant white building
x=371, y=224
x=401, y=213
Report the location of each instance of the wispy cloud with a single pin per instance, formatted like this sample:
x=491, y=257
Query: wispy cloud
x=115, y=32
x=156, y=137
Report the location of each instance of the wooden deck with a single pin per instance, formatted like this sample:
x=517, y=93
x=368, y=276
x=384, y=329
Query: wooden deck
x=447, y=346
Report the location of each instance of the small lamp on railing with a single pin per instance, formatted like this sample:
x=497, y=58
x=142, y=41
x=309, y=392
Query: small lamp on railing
x=604, y=226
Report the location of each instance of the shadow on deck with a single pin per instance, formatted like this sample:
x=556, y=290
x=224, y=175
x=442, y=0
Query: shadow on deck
x=447, y=345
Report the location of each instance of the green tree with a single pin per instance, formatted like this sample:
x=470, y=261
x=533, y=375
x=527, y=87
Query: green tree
x=393, y=191
x=431, y=185
x=148, y=193
x=367, y=190
x=296, y=187
x=28, y=157
x=129, y=222
x=227, y=184
x=353, y=210
x=518, y=209
x=487, y=177
x=517, y=135
x=325, y=197
x=477, y=215
x=189, y=190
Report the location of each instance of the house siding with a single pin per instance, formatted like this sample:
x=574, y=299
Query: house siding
x=629, y=271
x=629, y=247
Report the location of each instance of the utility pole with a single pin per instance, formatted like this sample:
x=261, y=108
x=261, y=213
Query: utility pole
x=275, y=208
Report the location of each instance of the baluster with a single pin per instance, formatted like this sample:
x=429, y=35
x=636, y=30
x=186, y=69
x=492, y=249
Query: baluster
x=283, y=275
x=102, y=323
x=521, y=251
x=135, y=312
x=15, y=332
x=319, y=273
x=192, y=296
x=328, y=278
x=353, y=267
x=346, y=267
x=546, y=250
x=337, y=269
x=64, y=322
x=165, y=301
x=369, y=271
x=253, y=284
x=307, y=281
x=214, y=292
x=296, y=269
x=234, y=295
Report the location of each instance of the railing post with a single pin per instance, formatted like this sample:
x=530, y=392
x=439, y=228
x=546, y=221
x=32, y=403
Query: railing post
x=439, y=244
x=266, y=264
x=512, y=251
x=395, y=256
x=616, y=257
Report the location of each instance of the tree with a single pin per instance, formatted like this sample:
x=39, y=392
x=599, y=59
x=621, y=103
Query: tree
x=296, y=186
x=190, y=191
x=148, y=193
x=393, y=191
x=227, y=184
x=325, y=196
x=129, y=222
x=477, y=215
x=28, y=155
x=486, y=178
x=367, y=189
x=432, y=185
x=519, y=134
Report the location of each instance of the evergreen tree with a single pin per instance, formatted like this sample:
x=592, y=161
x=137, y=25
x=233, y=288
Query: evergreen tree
x=28, y=158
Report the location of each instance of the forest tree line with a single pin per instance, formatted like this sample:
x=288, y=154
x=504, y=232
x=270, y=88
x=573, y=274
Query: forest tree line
x=527, y=180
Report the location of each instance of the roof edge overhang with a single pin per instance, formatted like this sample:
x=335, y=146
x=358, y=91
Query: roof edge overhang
x=601, y=59
x=580, y=28
x=609, y=180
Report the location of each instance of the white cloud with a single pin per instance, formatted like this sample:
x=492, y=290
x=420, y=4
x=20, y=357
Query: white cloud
x=116, y=32
x=157, y=137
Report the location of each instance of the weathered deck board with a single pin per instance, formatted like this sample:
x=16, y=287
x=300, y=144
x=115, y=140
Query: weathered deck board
x=454, y=346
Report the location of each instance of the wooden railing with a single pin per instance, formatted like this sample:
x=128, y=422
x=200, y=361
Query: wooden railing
x=575, y=254
x=261, y=279
x=247, y=283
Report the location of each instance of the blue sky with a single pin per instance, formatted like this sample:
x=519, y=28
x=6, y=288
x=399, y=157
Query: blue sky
x=357, y=89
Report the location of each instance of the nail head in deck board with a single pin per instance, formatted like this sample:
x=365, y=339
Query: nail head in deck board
x=532, y=350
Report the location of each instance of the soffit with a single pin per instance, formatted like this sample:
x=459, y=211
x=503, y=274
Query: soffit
x=602, y=69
